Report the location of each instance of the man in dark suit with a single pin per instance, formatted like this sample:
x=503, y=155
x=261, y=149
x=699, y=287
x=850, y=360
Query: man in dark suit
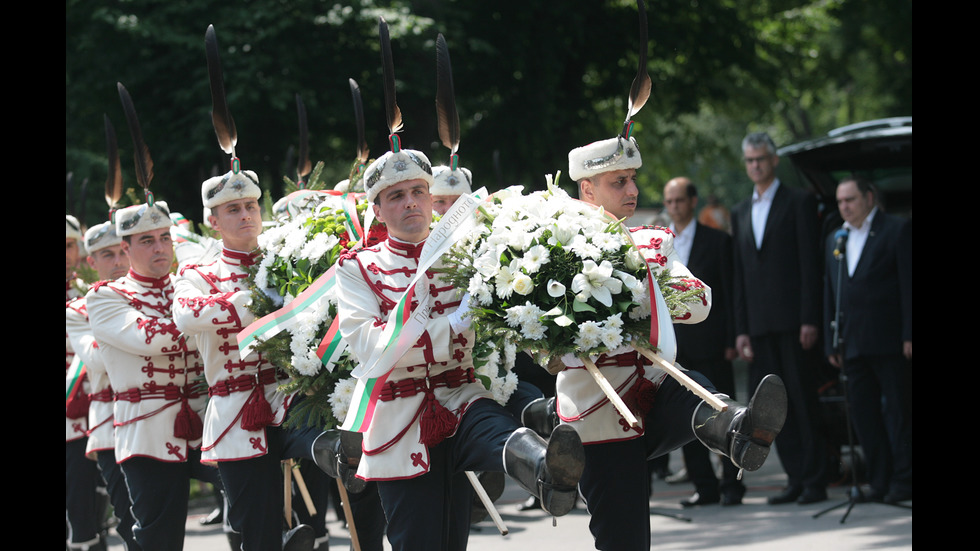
x=707, y=347
x=777, y=310
x=866, y=269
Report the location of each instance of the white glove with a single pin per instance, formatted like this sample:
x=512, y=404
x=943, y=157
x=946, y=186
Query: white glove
x=460, y=319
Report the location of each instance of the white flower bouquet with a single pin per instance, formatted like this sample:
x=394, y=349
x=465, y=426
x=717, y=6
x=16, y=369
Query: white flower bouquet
x=296, y=254
x=553, y=275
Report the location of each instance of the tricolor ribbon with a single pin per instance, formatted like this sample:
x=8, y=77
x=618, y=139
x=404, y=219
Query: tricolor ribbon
x=272, y=324
x=404, y=326
x=74, y=377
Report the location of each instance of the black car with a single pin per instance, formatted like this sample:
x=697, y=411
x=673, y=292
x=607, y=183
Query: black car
x=878, y=150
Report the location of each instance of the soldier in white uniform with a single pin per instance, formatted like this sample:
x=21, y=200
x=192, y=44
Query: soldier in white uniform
x=106, y=257
x=242, y=426
x=433, y=420
x=615, y=483
x=81, y=475
x=155, y=372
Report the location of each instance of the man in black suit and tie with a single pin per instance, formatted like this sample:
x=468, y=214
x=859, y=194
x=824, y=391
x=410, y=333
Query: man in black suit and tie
x=867, y=265
x=777, y=310
x=707, y=347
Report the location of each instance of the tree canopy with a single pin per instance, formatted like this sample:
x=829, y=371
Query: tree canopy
x=532, y=79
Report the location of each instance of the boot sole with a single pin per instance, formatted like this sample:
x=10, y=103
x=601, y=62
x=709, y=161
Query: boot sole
x=564, y=462
x=767, y=411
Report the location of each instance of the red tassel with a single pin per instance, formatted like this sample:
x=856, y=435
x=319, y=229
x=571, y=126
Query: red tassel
x=640, y=396
x=437, y=423
x=77, y=406
x=646, y=393
x=188, y=425
x=257, y=413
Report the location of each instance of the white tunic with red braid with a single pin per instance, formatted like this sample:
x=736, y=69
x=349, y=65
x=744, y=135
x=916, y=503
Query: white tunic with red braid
x=580, y=400
x=75, y=427
x=210, y=303
x=101, y=435
x=155, y=371
x=439, y=367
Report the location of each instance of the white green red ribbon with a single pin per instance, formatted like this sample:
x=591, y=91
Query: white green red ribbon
x=74, y=376
x=272, y=324
x=404, y=326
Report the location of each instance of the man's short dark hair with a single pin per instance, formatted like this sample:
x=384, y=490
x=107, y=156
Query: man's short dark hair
x=863, y=184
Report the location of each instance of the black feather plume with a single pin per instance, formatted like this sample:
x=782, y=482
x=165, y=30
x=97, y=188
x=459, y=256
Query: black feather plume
x=303, y=166
x=642, y=85
x=141, y=154
x=388, y=67
x=113, y=181
x=362, y=146
x=224, y=125
x=446, y=112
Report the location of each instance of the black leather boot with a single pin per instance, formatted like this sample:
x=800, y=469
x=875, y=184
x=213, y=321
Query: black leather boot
x=744, y=434
x=338, y=453
x=541, y=416
x=549, y=469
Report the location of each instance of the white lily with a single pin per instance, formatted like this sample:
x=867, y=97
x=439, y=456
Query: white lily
x=596, y=281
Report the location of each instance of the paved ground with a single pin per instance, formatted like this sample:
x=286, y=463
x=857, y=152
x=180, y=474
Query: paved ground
x=752, y=526
x=755, y=525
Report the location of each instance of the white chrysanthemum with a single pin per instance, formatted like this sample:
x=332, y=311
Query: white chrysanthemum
x=503, y=387
x=607, y=242
x=583, y=248
x=529, y=313
x=534, y=258
x=480, y=291
x=341, y=396
x=307, y=364
x=612, y=331
x=589, y=335
x=596, y=281
x=534, y=331
x=320, y=245
x=512, y=315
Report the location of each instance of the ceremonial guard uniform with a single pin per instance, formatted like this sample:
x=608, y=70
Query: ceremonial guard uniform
x=615, y=483
x=81, y=475
x=154, y=371
x=242, y=425
x=433, y=420
x=101, y=433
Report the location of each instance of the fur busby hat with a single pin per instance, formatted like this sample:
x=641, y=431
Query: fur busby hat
x=395, y=167
x=617, y=153
x=142, y=218
x=101, y=236
x=73, y=230
x=446, y=181
x=232, y=186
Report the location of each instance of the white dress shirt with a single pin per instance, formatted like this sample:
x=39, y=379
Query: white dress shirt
x=857, y=236
x=760, y=211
